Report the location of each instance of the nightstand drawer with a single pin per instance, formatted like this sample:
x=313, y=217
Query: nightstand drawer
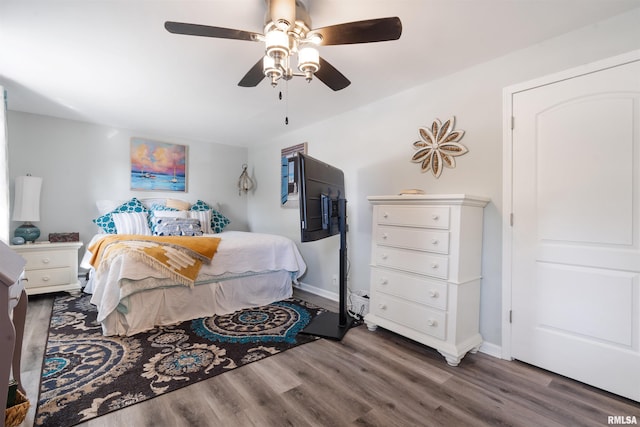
x=413, y=238
x=414, y=216
x=412, y=261
x=412, y=288
x=49, y=277
x=49, y=259
x=420, y=318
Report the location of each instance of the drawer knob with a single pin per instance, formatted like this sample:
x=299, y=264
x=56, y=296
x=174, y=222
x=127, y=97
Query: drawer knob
x=45, y=278
x=385, y=236
x=384, y=281
x=434, y=294
x=435, y=217
x=435, y=242
x=434, y=265
x=385, y=215
x=384, y=256
x=432, y=322
x=382, y=306
x=45, y=260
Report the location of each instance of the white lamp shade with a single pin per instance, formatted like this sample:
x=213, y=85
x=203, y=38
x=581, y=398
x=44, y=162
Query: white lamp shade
x=269, y=67
x=26, y=205
x=308, y=59
x=277, y=43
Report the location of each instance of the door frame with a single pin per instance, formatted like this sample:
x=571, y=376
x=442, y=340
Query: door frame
x=507, y=172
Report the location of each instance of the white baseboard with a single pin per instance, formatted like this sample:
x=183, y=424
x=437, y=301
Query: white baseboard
x=333, y=296
x=491, y=349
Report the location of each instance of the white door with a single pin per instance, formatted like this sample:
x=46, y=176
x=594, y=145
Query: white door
x=576, y=228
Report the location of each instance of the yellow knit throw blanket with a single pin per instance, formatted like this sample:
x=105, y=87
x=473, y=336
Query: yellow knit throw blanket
x=180, y=257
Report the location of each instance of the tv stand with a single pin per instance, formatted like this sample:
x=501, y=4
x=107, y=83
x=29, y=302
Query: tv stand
x=328, y=324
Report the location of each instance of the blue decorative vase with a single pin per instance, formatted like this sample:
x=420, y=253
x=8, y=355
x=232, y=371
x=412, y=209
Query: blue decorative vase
x=28, y=232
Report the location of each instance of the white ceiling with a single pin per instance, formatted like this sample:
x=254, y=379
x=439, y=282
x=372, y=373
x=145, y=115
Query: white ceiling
x=112, y=62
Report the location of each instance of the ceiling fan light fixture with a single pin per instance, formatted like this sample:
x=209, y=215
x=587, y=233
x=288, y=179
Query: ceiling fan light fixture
x=308, y=61
x=271, y=69
x=277, y=43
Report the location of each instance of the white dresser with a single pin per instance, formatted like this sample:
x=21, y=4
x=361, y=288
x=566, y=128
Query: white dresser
x=51, y=267
x=426, y=256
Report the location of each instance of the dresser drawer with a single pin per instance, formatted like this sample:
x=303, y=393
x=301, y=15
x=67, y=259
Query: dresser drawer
x=413, y=238
x=418, y=317
x=409, y=287
x=49, y=259
x=412, y=261
x=414, y=216
x=49, y=277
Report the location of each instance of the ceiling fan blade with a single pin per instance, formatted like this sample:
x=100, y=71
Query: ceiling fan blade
x=208, y=31
x=368, y=31
x=253, y=76
x=330, y=76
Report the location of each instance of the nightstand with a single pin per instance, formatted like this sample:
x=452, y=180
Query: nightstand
x=51, y=267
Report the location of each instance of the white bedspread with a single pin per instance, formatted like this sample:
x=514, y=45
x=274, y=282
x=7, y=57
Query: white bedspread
x=239, y=254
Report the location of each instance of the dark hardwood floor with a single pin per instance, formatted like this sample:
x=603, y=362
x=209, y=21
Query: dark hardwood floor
x=367, y=379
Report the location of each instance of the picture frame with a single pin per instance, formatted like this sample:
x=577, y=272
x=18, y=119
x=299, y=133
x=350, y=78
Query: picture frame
x=158, y=166
x=289, y=177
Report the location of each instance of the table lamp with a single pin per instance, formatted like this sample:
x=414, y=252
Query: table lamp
x=26, y=206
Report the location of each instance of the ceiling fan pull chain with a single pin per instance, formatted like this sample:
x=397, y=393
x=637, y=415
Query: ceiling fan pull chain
x=286, y=107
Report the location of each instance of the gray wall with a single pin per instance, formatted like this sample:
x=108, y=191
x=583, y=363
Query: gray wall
x=373, y=146
x=81, y=163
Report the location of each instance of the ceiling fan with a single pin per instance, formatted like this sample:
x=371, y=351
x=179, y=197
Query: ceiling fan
x=288, y=33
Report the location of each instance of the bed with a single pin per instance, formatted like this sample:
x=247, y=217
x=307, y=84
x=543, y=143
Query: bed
x=247, y=270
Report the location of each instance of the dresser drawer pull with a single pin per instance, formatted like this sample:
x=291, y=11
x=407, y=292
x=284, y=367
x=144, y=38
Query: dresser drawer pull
x=384, y=281
x=384, y=256
x=45, y=260
x=434, y=294
x=435, y=217
x=435, y=242
x=432, y=322
x=385, y=236
x=385, y=215
x=435, y=266
x=45, y=278
x=382, y=306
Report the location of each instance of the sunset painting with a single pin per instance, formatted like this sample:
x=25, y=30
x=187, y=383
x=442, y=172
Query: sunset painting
x=158, y=166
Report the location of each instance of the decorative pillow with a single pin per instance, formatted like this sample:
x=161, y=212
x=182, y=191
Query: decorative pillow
x=106, y=206
x=106, y=221
x=205, y=220
x=161, y=211
x=178, y=204
x=131, y=223
x=177, y=227
x=218, y=221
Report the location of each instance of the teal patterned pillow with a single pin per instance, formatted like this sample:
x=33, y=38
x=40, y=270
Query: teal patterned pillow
x=105, y=222
x=218, y=221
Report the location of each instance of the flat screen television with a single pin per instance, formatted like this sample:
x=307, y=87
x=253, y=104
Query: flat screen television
x=323, y=213
x=321, y=186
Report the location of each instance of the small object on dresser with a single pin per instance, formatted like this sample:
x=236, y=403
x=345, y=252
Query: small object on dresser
x=17, y=241
x=64, y=237
x=411, y=191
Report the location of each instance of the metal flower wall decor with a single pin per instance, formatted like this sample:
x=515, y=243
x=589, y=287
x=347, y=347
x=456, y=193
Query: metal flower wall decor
x=438, y=146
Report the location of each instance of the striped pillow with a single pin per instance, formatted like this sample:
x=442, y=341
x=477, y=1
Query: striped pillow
x=205, y=220
x=132, y=223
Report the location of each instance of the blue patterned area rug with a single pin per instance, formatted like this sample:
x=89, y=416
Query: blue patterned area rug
x=86, y=374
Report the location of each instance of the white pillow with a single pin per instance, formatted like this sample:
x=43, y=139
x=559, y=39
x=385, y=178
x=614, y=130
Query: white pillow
x=170, y=214
x=106, y=206
x=205, y=220
x=132, y=223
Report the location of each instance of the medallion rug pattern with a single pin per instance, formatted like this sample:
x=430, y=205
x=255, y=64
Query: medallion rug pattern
x=86, y=374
